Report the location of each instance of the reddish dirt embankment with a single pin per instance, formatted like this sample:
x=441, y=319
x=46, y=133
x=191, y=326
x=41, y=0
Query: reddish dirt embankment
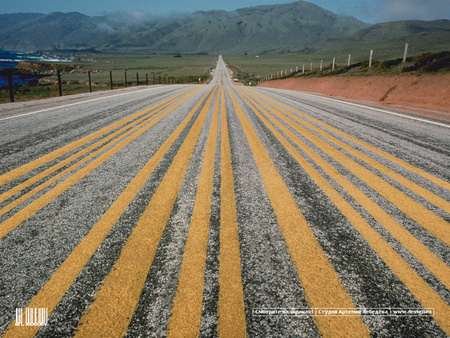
x=424, y=94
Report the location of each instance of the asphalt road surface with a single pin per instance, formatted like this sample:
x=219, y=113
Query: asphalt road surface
x=217, y=210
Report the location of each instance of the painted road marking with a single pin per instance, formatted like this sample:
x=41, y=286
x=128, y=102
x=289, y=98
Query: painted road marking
x=414, y=210
x=429, y=196
x=231, y=308
x=393, y=159
x=418, y=287
x=378, y=109
x=187, y=304
x=137, y=124
x=68, y=105
x=25, y=213
x=80, y=153
x=22, y=170
x=114, y=304
x=65, y=275
x=321, y=284
x=433, y=263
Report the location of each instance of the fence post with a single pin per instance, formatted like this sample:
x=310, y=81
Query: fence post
x=303, y=69
x=146, y=78
x=321, y=65
x=334, y=63
x=137, y=78
x=110, y=79
x=370, y=58
x=349, y=60
x=126, y=85
x=405, y=54
x=10, y=85
x=58, y=73
x=311, y=66
x=90, y=84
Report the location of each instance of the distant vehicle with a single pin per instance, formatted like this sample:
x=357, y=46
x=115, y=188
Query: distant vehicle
x=236, y=80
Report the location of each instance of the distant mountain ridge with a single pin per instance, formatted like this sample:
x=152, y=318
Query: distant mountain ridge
x=257, y=29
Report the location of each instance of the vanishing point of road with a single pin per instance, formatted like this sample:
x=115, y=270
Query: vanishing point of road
x=222, y=210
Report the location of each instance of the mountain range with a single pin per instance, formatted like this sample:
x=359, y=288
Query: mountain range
x=272, y=28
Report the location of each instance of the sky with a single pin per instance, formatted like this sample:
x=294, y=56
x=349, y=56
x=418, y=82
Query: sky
x=370, y=11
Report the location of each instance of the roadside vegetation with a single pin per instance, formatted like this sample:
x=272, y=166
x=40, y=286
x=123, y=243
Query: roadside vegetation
x=159, y=69
x=251, y=69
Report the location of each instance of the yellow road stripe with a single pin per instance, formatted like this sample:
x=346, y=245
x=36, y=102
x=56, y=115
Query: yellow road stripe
x=138, y=124
x=231, y=308
x=16, y=189
x=22, y=170
x=187, y=305
x=408, y=166
x=432, y=262
x=414, y=210
x=64, y=276
x=321, y=284
x=417, y=189
x=111, y=312
x=418, y=287
x=22, y=215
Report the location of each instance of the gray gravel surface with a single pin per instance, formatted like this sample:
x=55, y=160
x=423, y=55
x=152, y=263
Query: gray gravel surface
x=50, y=221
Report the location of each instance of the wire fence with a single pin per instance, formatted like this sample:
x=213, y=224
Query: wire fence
x=63, y=86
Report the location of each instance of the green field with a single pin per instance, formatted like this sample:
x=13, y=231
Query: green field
x=184, y=66
x=189, y=68
x=164, y=69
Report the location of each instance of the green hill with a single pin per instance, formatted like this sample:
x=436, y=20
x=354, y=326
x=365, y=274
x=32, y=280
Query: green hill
x=299, y=27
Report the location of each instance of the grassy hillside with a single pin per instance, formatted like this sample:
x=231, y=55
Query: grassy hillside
x=253, y=29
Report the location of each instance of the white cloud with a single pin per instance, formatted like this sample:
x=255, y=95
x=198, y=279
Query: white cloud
x=391, y=10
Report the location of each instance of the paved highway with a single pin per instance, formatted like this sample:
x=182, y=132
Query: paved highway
x=217, y=210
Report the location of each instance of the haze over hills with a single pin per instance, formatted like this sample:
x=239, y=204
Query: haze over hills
x=272, y=28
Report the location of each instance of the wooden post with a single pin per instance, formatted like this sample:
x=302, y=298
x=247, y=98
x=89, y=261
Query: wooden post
x=370, y=58
x=349, y=60
x=405, y=54
x=137, y=79
x=90, y=84
x=296, y=69
x=321, y=65
x=126, y=85
x=334, y=63
x=10, y=85
x=146, y=78
x=110, y=79
x=303, y=69
x=59, y=82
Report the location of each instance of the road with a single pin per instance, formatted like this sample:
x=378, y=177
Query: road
x=213, y=210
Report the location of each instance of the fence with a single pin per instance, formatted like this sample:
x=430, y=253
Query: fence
x=147, y=80
x=304, y=68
